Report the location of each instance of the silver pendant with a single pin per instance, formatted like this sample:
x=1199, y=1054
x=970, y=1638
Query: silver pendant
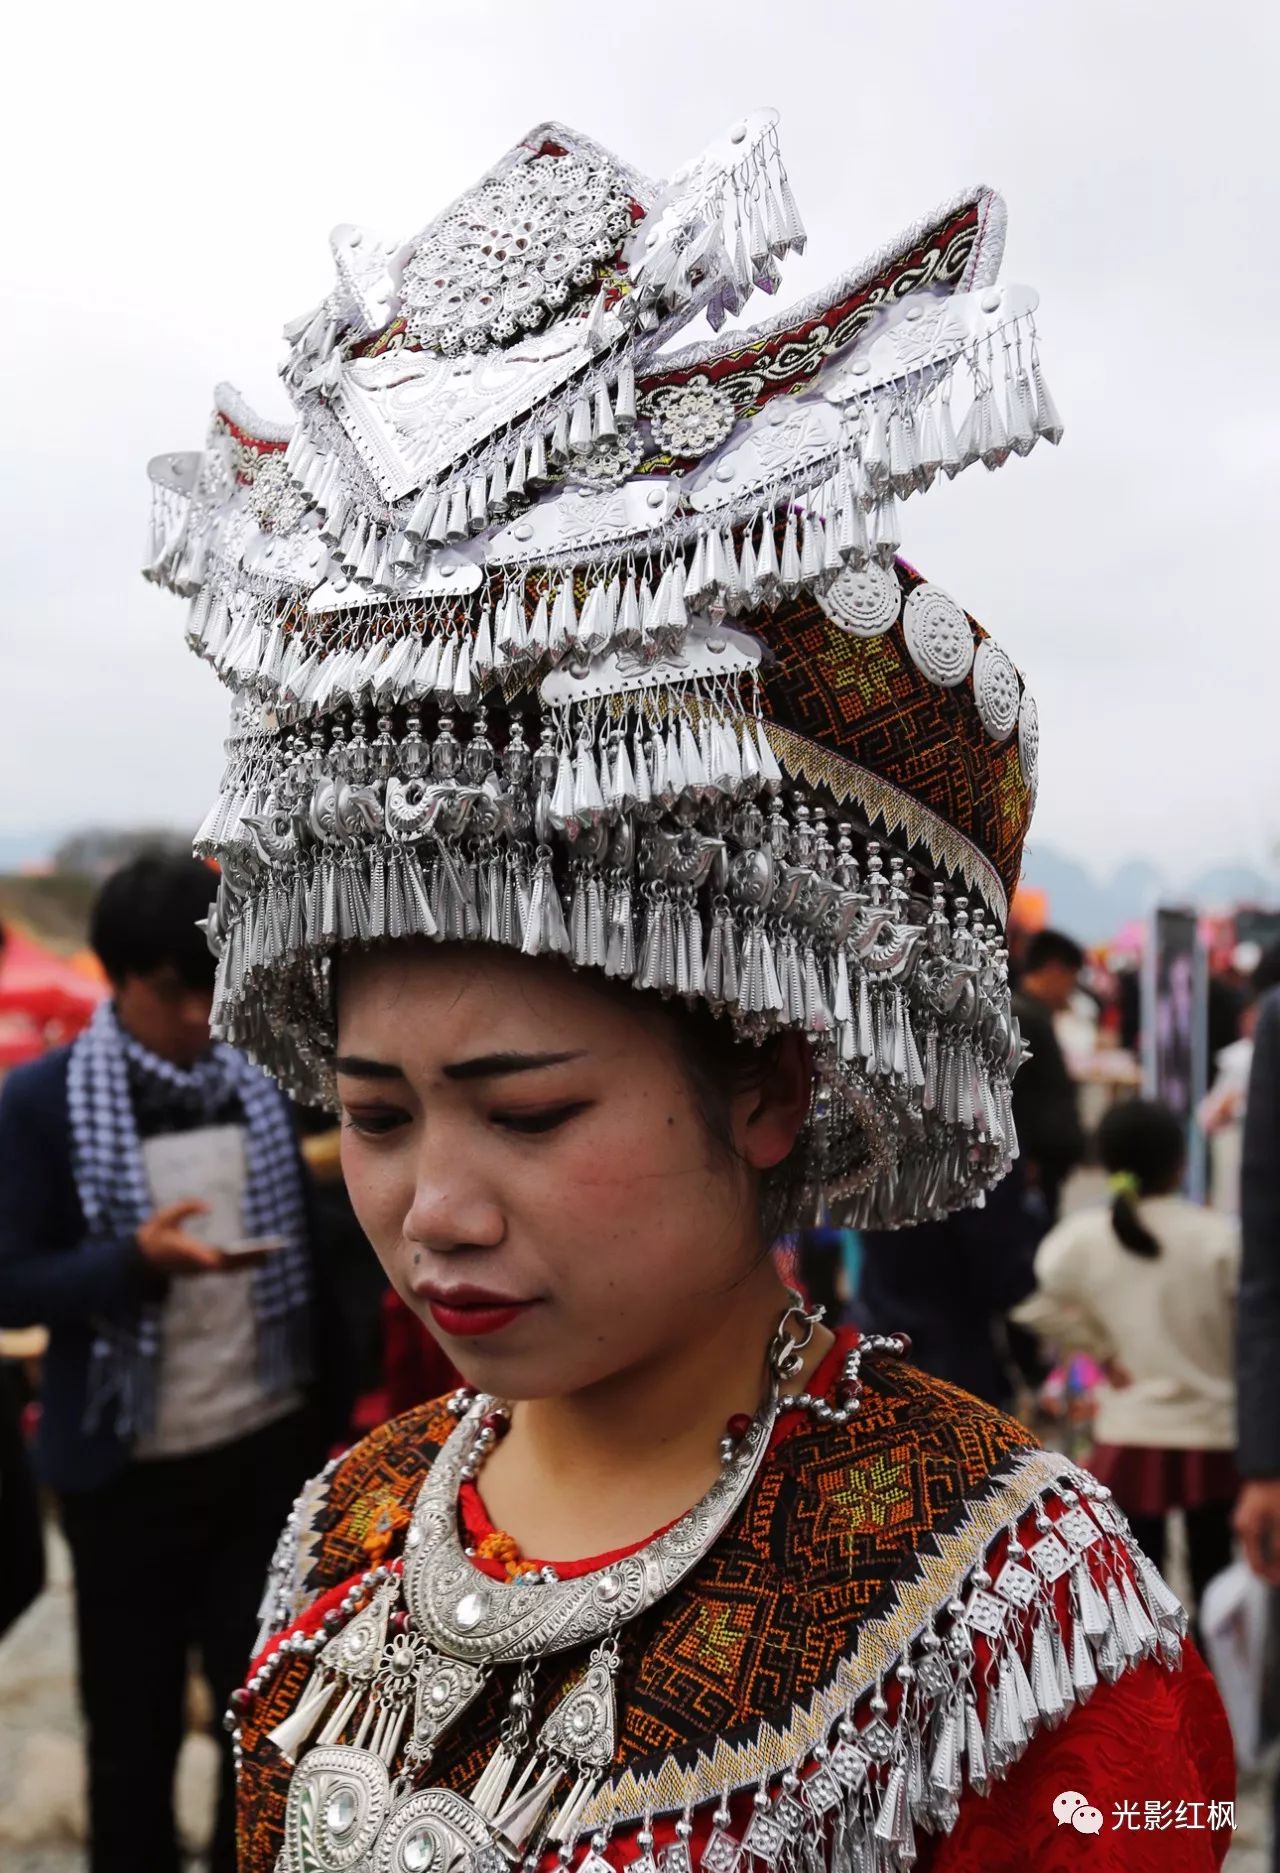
x=338, y=1799
x=445, y=1688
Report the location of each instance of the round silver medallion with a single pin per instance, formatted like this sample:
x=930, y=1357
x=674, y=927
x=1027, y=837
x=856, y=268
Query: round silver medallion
x=1029, y=741
x=865, y=603
x=996, y=690
x=691, y=419
x=939, y=636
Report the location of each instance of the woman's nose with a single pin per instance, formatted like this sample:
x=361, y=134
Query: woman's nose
x=448, y=1212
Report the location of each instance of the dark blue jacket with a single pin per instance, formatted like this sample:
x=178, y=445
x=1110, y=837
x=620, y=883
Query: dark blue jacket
x=54, y=1274
x=949, y=1284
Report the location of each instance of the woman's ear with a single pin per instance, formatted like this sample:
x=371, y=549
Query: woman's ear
x=767, y=1118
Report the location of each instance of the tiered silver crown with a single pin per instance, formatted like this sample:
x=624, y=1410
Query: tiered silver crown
x=474, y=608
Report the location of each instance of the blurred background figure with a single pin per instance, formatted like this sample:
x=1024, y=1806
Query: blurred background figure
x=177, y=1420
x=1258, y=1331
x=949, y=1285
x=1147, y=1286
x=1257, y=1517
x=1221, y=1111
x=22, y=1547
x=1045, y=1104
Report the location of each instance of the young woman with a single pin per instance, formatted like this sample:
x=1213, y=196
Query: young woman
x=566, y=892
x=1148, y=1285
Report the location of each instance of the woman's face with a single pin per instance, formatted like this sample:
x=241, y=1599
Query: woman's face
x=527, y=1159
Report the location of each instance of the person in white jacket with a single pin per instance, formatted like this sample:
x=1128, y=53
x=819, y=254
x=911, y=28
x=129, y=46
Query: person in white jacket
x=1148, y=1287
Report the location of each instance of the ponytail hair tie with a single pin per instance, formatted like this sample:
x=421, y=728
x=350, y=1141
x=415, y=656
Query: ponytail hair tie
x=1124, y=1184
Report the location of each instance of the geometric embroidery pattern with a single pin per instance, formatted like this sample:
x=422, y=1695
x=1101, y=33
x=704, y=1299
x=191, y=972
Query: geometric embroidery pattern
x=863, y=699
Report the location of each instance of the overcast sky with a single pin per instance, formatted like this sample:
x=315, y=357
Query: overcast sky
x=173, y=172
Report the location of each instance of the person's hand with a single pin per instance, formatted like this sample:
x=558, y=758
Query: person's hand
x=168, y=1247
x=1257, y=1525
x=1116, y=1375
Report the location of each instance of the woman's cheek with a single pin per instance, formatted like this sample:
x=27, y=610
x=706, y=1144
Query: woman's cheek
x=379, y=1194
x=607, y=1173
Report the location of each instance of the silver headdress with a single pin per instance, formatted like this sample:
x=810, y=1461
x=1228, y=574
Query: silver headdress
x=544, y=635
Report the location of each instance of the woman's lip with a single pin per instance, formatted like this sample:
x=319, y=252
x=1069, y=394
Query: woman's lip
x=472, y=1320
x=465, y=1295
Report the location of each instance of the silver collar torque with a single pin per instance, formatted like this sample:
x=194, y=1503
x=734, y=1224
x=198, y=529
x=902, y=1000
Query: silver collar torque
x=465, y=1615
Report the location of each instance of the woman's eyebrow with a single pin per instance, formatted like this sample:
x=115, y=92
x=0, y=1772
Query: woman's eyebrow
x=357, y=1067
x=495, y=1066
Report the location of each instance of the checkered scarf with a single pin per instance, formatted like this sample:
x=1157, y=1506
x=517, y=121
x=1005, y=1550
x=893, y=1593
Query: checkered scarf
x=108, y=1069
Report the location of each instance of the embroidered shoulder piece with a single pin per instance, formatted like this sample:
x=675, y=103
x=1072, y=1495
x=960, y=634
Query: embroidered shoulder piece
x=350, y=1516
x=897, y=1609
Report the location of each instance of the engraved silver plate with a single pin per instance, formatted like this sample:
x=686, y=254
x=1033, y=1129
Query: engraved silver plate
x=821, y=1789
x=1078, y=1528
x=985, y=1613
x=934, y=1675
x=1016, y=1584
x=337, y=1799
x=582, y=1727
x=849, y=1765
x=766, y=1837
x=721, y=1853
x=1049, y=1557
x=876, y=1740
x=445, y=1686
x=1029, y=741
x=790, y=1816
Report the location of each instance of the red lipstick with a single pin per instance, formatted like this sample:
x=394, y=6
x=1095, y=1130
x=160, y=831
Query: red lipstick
x=466, y=1313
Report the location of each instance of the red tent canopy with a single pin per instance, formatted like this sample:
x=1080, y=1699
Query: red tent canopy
x=45, y=999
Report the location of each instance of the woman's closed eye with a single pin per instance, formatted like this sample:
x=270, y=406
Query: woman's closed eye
x=544, y=1119
x=374, y=1121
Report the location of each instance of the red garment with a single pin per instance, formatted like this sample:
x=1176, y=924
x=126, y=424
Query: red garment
x=413, y=1367
x=1153, y=1737
x=1146, y=1480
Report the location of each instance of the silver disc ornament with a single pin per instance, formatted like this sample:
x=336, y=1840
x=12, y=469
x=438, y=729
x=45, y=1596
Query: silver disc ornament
x=996, y=690
x=939, y=636
x=1029, y=741
x=864, y=602
x=691, y=419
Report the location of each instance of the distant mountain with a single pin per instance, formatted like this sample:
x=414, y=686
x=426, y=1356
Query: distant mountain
x=19, y=849
x=1093, y=909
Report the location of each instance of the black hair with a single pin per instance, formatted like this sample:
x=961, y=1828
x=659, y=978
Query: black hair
x=1143, y=1140
x=144, y=918
x=718, y=1065
x=1266, y=972
x=1052, y=946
